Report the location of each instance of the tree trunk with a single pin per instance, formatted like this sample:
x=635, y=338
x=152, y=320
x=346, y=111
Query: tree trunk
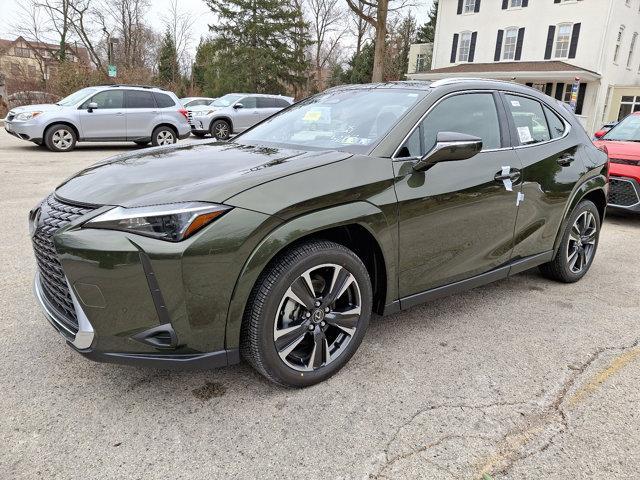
x=381, y=34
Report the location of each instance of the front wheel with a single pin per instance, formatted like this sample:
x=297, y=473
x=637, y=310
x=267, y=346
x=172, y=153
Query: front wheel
x=163, y=136
x=221, y=130
x=307, y=314
x=577, y=247
x=60, y=138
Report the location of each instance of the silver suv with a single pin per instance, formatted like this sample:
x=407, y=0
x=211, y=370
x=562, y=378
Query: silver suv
x=234, y=113
x=108, y=113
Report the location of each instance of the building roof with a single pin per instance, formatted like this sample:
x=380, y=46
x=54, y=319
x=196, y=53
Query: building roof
x=80, y=52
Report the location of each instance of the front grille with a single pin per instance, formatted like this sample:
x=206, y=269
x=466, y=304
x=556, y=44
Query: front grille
x=623, y=193
x=624, y=161
x=53, y=216
x=190, y=117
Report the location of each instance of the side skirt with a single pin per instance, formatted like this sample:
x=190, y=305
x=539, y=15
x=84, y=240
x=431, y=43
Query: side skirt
x=500, y=273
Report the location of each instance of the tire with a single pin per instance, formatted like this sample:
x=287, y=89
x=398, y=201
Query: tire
x=141, y=143
x=60, y=138
x=578, y=245
x=221, y=130
x=163, y=135
x=198, y=134
x=289, y=358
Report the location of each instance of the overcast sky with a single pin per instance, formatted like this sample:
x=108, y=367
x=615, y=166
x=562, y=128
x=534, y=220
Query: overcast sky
x=199, y=10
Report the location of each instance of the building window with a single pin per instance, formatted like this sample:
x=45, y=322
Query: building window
x=469, y=6
x=568, y=90
x=616, y=52
x=628, y=106
x=563, y=40
x=510, y=41
x=465, y=46
x=421, y=62
x=22, y=52
x=15, y=69
x=516, y=3
x=632, y=48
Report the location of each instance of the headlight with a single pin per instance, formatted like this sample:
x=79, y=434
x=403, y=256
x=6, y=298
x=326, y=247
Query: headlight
x=171, y=222
x=209, y=112
x=22, y=117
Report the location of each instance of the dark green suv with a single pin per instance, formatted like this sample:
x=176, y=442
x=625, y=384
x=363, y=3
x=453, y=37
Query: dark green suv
x=279, y=245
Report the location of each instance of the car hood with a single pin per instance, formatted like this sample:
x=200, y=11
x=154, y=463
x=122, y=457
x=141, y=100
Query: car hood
x=43, y=107
x=208, y=172
x=624, y=150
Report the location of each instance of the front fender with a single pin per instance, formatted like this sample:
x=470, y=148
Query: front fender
x=361, y=213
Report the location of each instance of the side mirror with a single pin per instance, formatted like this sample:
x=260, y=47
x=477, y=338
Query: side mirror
x=238, y=105
x=92, y=106
x=449, y=147
x=600, y=133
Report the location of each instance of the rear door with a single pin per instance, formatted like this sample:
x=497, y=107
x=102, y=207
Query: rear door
x=266, y=107
x=142, y=114
x=456, y=219
x=551, y=157
x=108, y=120
x=248, y=115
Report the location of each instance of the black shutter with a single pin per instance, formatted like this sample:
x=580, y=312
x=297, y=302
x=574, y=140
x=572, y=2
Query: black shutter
x=573, y=46
x=525, y=3
x=559, y=91
x=519, y=44
x=505, y=4
x=459, y=7
x=548, y=88
x=581, y=91
x=477, y=7
x=454, y=48
x=496, y=57
x=556, y=1
x=472, y=47
x=550, y=37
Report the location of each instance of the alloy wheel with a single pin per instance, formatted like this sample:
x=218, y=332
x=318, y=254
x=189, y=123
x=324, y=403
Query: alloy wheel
x=62, y=139
x=582, y=242
x=165, y=137
x=317, y=317
x=221, y=130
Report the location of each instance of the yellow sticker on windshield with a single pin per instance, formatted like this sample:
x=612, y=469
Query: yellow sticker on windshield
x=312, y=116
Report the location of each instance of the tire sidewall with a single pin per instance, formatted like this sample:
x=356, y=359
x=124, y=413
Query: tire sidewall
x=213, y=129
x=273, y=363
x=582, y=207
x=157, y=131
x=49, y=138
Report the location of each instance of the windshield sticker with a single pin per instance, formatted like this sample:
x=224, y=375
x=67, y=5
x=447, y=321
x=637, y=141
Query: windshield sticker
x=312, y=116
x=515, y=103
x=525, y=135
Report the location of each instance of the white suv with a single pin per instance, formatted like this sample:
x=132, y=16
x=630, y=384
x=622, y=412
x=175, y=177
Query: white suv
x=108, y=113
x=234, y=113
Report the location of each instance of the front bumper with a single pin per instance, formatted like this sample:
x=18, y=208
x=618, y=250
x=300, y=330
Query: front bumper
x=29, y=130
x=200, y=124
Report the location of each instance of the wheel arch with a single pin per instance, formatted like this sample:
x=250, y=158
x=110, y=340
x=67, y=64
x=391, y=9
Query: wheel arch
x=355, y=225
x=222, y=117
x=166, y=124
x=61, y=122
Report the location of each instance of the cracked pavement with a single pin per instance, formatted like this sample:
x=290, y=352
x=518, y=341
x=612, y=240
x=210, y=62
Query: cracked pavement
x=521, y=379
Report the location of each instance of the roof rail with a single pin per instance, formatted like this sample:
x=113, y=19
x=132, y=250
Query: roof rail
x=128, y=85
x=449, y=80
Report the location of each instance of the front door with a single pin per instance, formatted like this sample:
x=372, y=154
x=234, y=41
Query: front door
x=247, y=116
x=456, y=219
x=108, y=120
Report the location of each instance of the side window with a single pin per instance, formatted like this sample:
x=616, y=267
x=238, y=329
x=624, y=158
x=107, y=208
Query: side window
x=411, y=147
x=265, y=102
x=163, y=100
x=107, y=99
x=472, y=113
x=140, y=99
x=248, y=102
x=281, y=103
x=556, y=125
x=529, y=119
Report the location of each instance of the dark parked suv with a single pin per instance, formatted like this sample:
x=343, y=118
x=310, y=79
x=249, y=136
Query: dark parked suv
x=280, y=245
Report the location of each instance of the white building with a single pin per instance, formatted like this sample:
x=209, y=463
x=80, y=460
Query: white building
x=546, y=44
x=420, y=57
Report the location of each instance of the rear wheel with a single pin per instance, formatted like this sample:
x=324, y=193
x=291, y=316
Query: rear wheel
x=163, y=136
x=307, y=314
x=221, y=130
x=577, y=247
x=60, y=138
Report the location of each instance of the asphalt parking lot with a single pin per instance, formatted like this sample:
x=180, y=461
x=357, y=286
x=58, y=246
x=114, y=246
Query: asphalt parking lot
x=523, y=379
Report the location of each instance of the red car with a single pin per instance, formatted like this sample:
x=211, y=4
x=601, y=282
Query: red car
x=623, y=145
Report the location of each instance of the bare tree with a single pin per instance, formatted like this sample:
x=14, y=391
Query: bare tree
x=327, y=29
x=180, y=23
x=83, y=10
x=359, y=27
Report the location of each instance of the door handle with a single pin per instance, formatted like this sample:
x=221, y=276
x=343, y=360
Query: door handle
x=513, y=175
x=565, y=160
x=120, y=114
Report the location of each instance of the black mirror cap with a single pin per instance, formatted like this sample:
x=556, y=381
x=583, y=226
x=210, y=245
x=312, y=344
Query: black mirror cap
x=238, y=105
x=449, y=147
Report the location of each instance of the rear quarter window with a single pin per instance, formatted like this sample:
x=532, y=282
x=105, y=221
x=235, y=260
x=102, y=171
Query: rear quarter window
x=163, y=100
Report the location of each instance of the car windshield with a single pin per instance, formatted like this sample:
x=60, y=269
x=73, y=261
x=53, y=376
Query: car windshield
x=350, y=120
x=226, y=101
x=77, y=96
x=628, y=130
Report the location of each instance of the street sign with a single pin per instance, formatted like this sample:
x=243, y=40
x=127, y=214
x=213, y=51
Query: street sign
x=112, y=71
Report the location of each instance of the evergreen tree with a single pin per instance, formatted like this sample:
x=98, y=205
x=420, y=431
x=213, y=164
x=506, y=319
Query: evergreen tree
x=203, y=68
x=168, y=71
x=258, y=46
x=426, y=33
x=361, y=65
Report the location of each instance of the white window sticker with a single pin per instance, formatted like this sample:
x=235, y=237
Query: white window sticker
x=525, y=135
x=515, y=103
